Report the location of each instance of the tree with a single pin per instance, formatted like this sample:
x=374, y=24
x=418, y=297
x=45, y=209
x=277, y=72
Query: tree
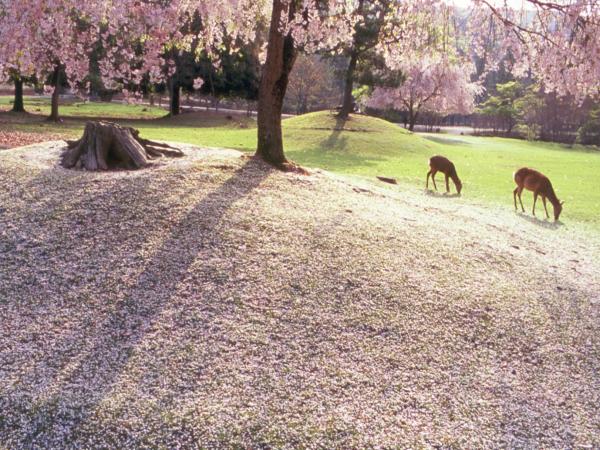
x=312, y=84
x=502, y=106
x=557, y=40
x=435, y=85
x=15, y=62
x=281, y=55
x=371, y=15
x=51, y=39
x=147, y=42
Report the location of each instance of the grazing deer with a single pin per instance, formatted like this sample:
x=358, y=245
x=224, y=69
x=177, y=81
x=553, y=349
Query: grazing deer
x=444, y=165
x=537, y=182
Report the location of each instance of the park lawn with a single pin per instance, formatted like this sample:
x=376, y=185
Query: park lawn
x=368, y=147
x=365, y=146
x=78, y=108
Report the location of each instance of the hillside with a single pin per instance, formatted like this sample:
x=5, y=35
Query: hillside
x=214, y=302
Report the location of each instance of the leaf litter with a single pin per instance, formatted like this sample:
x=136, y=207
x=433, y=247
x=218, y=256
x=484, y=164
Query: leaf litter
x=212, y=302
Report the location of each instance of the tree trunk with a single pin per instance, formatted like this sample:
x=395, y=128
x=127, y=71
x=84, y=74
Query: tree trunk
x=281, y=56
x=55, y=95
x=175, y=100
x=18, y=105
x=106, y=145
x=348, y=102
x=412, y=119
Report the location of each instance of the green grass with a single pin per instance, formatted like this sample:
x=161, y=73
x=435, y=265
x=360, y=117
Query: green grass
x=367, y=146
x=41, y=105
x=485, y=165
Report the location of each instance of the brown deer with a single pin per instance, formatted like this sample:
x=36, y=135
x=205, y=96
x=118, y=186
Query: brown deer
x=444, y=165
x=537, y=182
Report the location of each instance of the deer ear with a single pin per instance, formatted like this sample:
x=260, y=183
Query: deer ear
x=562, y=203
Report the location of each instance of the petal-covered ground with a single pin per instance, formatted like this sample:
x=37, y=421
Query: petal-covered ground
x=211, y=302
x=12, y=138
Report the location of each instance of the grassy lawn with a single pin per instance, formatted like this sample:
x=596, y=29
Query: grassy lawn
x=72, y=108
x=369, y=147
x=362, y=146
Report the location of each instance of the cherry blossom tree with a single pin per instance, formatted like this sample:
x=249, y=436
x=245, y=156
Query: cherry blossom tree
x=405, y=31
x=16, y=64
x=145, y=39
x=559, y=40
x=312, y=85
x=51, y=39
x=435, y=85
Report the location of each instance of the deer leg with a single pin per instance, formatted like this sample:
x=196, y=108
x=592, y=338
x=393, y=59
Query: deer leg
x=427, y=182
x=433, y=179
x=447, y=185
x=515, y=197
x=535, y=196
x=545, y=208
x=520, y=199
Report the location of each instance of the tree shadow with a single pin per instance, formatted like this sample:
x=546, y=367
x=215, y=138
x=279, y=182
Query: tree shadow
x=446, y=141
x=126, y=325
x=334, y=138
x=545, y=223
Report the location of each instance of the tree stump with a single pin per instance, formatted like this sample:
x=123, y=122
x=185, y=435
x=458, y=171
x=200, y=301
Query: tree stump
x=106, y=145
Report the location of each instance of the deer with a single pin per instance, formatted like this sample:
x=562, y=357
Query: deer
x=539, y=183
x=444, y=165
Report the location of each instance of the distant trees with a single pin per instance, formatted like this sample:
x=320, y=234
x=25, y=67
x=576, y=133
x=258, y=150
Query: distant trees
x=369, y=27
x=589, y=131
x=236, y=75
x=523, y=109
x=312, y=85
x=501, y=107
x=433, y=85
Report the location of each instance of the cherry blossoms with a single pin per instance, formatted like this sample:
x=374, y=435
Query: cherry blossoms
x=139, y=36
x=431, y=84
x=46, y=38
x=556, y=42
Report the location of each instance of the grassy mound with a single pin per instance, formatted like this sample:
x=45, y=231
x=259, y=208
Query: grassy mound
x=362, y=145
x=326, y=120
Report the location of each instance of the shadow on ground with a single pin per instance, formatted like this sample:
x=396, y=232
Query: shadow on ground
x=126, y=325
x=446, y=141
x=437, y=194
x=545, y=223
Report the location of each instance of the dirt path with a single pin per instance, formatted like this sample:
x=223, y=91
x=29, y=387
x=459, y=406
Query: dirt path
x=214, y=302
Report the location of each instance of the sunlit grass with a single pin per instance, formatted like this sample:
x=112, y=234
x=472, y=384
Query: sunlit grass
x=78, y=108
x=365, y=146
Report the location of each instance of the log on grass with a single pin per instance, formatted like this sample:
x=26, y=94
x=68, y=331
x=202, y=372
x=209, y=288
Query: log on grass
x=387, y=180
x=106, y=145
